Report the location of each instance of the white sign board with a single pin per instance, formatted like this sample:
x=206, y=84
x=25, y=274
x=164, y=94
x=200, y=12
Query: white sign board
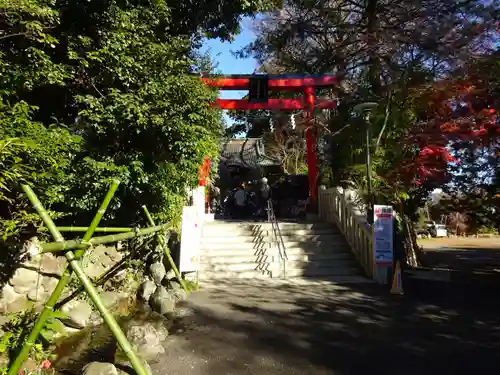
x=383, y=227
x=190, y=239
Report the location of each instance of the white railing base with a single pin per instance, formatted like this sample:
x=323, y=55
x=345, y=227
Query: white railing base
x=336, y=207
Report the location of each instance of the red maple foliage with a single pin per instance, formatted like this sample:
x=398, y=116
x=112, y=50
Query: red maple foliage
x=454, y=115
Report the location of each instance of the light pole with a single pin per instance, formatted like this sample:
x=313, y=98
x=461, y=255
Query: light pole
x=365, y=110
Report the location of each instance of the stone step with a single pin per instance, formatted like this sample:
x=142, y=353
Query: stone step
x=232, y=232
x=329, y=274
x=232, y=236
x=334, y=267
x=229, y=259
x=333, y=244
x=216, y=275
x=322, y=264
x=325, y=271
x=235, y=239
x=258, y=233
x=209, y=283
x=228, y=246
x=290, y=236
x=238, y=252
x=312, y=246
x=303, y=226
x=222, y=226
x=268, y=257
x=252, y=228
x=267, y=225
x=336, y=279
x=246, y=250
x=312, y=237
x=236, y=267
x=249, y=250
x=328, y=228
x=302, y=256
x=309, y=232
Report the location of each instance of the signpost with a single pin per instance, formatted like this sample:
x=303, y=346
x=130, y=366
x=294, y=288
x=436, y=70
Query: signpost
x=190, y=239
x=383, y=229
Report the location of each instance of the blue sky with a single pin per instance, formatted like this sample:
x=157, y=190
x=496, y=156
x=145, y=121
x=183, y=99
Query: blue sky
x=228, y=64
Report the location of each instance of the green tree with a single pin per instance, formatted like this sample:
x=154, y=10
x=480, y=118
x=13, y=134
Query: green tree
x=383, y=51
x=101, y=89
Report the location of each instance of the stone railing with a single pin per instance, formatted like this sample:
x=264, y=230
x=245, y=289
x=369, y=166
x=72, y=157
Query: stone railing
x=335, y=206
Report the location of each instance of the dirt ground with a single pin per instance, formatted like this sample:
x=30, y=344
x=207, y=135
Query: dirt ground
x=464, y=254
x=461, y=242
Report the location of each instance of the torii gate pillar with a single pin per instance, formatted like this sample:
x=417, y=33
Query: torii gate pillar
x=312, y=160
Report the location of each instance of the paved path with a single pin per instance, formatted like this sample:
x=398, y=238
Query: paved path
x=251, y=328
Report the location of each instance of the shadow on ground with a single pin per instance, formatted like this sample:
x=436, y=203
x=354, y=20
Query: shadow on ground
x=328, y=254
x=464, y=258
x=320, y=328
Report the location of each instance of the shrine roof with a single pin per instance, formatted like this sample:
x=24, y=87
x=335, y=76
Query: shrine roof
x=249, y=153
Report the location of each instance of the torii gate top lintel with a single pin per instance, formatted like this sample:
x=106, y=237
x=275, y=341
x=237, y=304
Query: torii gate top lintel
x=259, y=86
x=271, y=82
x=277, y=81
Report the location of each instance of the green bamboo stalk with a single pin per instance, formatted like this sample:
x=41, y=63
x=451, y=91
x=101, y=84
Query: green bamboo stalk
x=166, y=251
x=105, y=276
x=97, y=282
x=89, y=288
x=74, y=244
x=66, y=276
x=98, y=229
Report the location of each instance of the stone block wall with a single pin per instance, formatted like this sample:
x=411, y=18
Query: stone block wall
x=145, y=318
x=36, y=277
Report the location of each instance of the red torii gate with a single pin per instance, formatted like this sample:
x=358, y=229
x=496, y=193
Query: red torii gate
x=259, y=86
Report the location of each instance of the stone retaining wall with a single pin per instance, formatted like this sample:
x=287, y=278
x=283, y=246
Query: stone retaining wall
x=36, y=277
x=145, y=318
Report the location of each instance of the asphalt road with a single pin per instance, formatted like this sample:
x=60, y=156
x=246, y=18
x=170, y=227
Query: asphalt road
x=254, y=327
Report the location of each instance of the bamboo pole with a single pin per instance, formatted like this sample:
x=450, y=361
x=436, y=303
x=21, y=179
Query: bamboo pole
x=66, y=276
x=97, y=282
x=166, y=251
x=105, y=276
x=56, y=293
x=89, y=288
x=75, y=244
x=98, y=229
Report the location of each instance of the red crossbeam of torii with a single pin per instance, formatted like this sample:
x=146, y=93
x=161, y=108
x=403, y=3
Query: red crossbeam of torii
x=295, y=83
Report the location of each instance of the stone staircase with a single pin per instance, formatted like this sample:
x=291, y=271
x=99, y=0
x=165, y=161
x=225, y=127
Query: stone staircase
x=248, y=250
